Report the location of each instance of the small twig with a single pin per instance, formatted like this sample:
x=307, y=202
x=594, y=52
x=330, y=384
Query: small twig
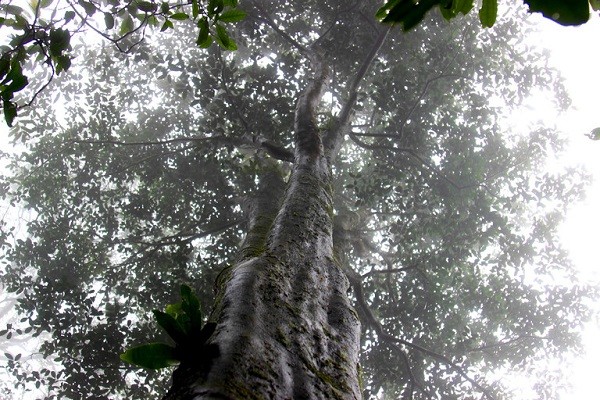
x=356, y=282
x=266, y=18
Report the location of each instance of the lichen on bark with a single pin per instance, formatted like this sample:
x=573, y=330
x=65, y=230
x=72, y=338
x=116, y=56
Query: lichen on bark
x=285, y=327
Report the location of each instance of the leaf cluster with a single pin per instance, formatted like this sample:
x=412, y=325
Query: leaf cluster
x=182, y=321
x=409, y=13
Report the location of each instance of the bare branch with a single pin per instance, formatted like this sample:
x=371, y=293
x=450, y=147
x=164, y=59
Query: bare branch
x=335, y=136
x=356, y=282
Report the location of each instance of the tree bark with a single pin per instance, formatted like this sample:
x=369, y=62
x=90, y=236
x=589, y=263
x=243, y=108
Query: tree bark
x=285, y=328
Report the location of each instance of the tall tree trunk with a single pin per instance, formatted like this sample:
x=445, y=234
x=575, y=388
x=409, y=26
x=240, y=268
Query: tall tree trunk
x=285, y=327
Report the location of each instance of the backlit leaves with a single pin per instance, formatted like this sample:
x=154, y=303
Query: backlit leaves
x=48, y=42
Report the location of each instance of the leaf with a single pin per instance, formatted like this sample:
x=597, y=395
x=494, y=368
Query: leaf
x=417, y=13
x=171, y=326
x=204, y=40
x=454, y=7
x=69, y=15
x=405, y=12
x=59, y=41
x=595, y=4
x=195, y=9
x=595, y=134
x=90, y=8
x=127, y=25
x=230, y=3
x=191, y=306
x=146, y=6
x=383, y=10
x=17, y=81
x=152, y=355
x=223, y=38
x=174, y=309
x=488, y=13
x=215, y=7
x=232, y=16
x=167, y=25
x=109, y=20
x=4, y=64
x=179, y=16
x=63, y=63
x=571, y=12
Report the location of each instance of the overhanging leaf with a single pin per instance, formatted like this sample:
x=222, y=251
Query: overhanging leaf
x=488, y=13
x=223, y=38
x=204, y=40
x=151, y=355
x=564, y=12
x=595, y=134
x=10, y=112
x=171, y=326
x=232, y=16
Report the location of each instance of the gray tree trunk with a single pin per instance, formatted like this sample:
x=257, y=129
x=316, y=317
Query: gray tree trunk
x=285, y=328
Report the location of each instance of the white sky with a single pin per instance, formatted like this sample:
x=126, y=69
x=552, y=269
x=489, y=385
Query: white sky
x=574, y=51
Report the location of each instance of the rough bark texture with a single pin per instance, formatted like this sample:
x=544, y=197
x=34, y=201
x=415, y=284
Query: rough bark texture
x=285, y=327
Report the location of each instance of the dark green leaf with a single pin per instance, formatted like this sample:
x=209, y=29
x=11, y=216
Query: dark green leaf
x=10, y=112
x=417, y=13
x=191, y=306
x=232, y=16
x=62, y=63
x=595, y=134
x=204, y=39
x=595, y=4
x=109, y=20
x=152, y=355
x=167, y=25
x=195, y=9
x=179, y=16
x=17, y=80
x=171, y=326
x=59, y=41
x=146, y=6
x=215, y=7
x=571, y=12
x=4, y=65
x=90, y=8
x=127, y=25
x=223, y=38
x=69, y=15
x=488, y=13
x=164, y=8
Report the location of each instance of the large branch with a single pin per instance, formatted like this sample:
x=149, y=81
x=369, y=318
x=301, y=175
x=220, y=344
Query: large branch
x=334, y=137
x=307, y=137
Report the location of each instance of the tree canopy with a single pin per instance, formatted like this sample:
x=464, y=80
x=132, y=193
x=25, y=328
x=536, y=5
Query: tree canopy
x=137, y=167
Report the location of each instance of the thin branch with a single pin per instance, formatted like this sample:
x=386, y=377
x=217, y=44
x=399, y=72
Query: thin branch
x=335, y=136
x=183, y=237
x=116, y=41
x=355, y=280
x=507, y=342
x=266, y=18
x=414, y=154
x=346, y=112
x=416, y=103
x=387, y=271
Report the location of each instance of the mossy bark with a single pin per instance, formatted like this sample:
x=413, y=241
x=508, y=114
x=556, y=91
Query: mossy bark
x=285, y=327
